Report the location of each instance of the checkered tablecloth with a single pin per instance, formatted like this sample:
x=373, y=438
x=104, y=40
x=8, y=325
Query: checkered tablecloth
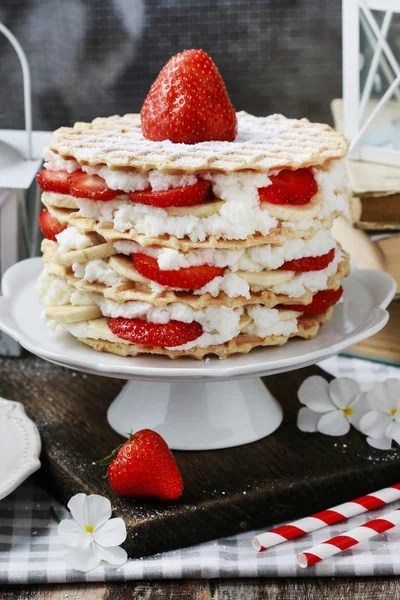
x=30, y=550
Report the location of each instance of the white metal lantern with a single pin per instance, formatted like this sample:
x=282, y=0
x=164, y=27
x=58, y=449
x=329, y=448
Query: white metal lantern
x=19, y=232
x=371, y=88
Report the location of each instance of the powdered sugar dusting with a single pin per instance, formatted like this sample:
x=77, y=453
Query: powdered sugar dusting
x=262, y=143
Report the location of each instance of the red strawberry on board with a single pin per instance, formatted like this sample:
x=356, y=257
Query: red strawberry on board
x=290, y=187
x=53, y=181
x=144, y=467
x=93, y=187
x=321, y=301
x=190, y=278
x=163, y=335
x=49, y=225
x=309, y=263
x=188, y=195
x=188, y=102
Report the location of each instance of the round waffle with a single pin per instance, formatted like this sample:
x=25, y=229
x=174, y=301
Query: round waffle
x=308, y=328
x=262, y=144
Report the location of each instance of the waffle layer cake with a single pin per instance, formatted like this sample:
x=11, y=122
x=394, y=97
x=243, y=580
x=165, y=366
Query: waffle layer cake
x=224, y=275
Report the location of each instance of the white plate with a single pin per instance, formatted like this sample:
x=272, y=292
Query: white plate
x=19, y=446
x=195, y=411
x=361, y=314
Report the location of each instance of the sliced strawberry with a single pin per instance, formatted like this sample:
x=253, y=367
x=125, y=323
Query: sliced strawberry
x=181, y=196
x=188, y=102
x=93, y=187
x=321, y=301
x=164, y=335
x=290, y=187
x=49, y=225
x=190, y=278
x=309, y=263
x=53, y=181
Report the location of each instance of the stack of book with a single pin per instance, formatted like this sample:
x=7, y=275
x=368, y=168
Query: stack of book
x=375, y=210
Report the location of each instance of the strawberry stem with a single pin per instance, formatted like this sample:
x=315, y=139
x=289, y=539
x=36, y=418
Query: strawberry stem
x=107, y=460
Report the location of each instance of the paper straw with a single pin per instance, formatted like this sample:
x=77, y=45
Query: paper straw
x=342, y=542
x=326, y=517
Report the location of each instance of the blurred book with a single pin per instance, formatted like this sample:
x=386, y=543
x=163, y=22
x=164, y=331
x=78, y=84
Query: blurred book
x=384, y=346
x=375, y=187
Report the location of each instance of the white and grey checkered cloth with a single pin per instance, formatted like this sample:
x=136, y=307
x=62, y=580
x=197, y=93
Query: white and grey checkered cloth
x=31, y=552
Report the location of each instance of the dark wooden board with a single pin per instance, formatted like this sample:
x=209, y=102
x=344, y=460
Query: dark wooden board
x=286, y=475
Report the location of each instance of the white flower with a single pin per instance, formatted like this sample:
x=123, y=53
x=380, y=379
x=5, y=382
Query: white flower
x=330, y=408
x=92, y=536
x=382, y=423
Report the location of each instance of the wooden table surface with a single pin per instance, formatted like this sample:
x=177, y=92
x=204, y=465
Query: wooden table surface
x=224, y=589
x=372, y=588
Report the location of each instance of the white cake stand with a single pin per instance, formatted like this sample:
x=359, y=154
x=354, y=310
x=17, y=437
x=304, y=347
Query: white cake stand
x=195, y=405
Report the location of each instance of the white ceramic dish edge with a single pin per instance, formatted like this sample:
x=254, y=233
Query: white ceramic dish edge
x=381, y=288
x=13, y=413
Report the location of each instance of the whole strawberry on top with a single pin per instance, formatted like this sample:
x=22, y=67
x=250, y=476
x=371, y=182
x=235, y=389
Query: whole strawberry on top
x=188, y=102
x=144, y=467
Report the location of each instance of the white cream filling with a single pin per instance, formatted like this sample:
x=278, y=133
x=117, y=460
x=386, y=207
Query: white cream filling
x=84, y=329
x=52, y=291
x=312, y=281
x=72, y=239
x=257, y=258
x=266, y=321
x=99, y=271
x=131, y=180
x=240, y=216
x=229, y=283
x=254, y=259
x=220, y=323
x=334, y=188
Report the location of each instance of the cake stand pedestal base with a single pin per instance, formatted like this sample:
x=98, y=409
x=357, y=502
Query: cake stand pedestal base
x=197, y=415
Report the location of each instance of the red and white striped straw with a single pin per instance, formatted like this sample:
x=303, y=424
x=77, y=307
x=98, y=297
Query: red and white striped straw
x=326, y=517
x=342, y=542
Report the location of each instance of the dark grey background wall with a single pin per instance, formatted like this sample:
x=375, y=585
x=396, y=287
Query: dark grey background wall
x=98, y=57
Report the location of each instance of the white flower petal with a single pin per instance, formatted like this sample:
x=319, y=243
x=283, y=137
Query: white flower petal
x=91, y=510
x=393, y=392
x=374, y=424
x=82, y=560
x=77, y=506
x=333, y=423
x=379, y=398
x=313, y=393
x=380, y=444
x=111, y=533
x=73, y=535
x=112, y=554
x=307, y=420
x=98, y=510
x=359, y=407
x=393, y=432
x=343, y=390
